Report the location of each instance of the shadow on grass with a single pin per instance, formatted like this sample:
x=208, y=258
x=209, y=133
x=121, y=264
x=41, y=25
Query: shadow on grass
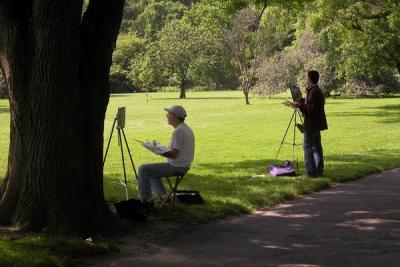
x=119, y=95
x=4, y=110
x=390, y=107
x=335, y=102
x=346, y=167
x=231, y=189
x=387, y=114
x=364, y=97
x=195, y=98
x=252, y=166
x=391, y=112
x=338, y=168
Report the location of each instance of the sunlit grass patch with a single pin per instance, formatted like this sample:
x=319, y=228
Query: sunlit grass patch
x=234, y=145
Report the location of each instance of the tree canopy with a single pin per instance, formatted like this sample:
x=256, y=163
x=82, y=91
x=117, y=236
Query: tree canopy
x=355, y=43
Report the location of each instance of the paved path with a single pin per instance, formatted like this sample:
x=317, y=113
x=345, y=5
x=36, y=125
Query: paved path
x=352, y=224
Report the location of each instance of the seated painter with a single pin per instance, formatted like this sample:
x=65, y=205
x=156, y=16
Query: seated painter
x=179, y=155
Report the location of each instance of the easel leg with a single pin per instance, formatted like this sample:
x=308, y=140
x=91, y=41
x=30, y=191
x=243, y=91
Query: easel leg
x=109, y=141
x=294, y=135
x=129, y=153
x=125, y=183
x=123, y=161
x=284, y=136
x=302, y=122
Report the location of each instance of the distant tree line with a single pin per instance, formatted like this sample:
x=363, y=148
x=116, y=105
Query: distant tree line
x=258, y=45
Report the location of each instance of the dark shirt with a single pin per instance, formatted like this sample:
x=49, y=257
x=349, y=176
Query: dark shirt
x=313, y=109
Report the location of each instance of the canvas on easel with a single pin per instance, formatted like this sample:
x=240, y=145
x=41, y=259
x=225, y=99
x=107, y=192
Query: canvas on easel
x=294, y=91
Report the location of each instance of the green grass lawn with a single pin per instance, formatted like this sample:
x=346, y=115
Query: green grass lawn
x=235, y=143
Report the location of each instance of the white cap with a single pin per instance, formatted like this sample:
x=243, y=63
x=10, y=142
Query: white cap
x=179, y=111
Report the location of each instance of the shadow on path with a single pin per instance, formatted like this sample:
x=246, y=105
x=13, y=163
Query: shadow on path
x=353, y=224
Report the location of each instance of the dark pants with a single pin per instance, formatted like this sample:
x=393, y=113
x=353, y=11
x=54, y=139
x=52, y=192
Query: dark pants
x=313, y=155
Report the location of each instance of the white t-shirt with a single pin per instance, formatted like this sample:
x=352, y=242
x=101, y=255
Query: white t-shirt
x=182, y=139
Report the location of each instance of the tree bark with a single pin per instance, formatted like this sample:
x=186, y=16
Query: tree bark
x=245, y=90
x=246, y=86
x=182, y=87
x=265, y=5
x=246, y=97
x=56, y=65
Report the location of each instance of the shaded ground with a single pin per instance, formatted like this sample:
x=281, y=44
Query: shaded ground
x=353, y=224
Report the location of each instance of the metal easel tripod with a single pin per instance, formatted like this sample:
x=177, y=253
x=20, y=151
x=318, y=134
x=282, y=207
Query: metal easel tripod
x=119, y=123
x=296, y=113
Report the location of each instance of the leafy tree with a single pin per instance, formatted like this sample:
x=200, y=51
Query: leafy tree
x=208, y=16
x=278, y=26
x=287, y=67
x=233, y=6
x=188, y=3
x=132, y=9
x=361, y=38
x=246, y=47
x=57, y=62
x=351, y=43
x=145, y=69
x=212, y=66
x=177, y=49
x=129, y=47
x=155, y=15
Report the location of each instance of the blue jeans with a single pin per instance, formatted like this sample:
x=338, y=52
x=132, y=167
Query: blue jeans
x=149, y=176
x=313, y=155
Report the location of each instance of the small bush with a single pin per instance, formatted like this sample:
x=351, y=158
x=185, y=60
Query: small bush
x=386, y=83
x=120, y=84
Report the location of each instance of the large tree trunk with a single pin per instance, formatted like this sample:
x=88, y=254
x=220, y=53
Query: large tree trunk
x=56, y=65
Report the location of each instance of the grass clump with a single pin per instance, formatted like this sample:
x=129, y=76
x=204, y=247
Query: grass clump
x=39, y=250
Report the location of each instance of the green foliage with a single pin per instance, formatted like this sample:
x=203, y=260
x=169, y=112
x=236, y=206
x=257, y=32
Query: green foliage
x=361, y=38
x=132, y=9
x=212, y=66
x=247, y=45
x=233, y=6
x=178, y=47
x=357, y=43
x=277, y=26
x=155, y=15
x=145, y=69
x=207, y=16
x=129, y=47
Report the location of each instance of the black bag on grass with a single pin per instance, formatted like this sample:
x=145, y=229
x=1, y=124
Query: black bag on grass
x=189, y=197
x=133, y=210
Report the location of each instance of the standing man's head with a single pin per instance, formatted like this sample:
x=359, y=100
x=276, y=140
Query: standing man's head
x=176, y=115
x=312, y=77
